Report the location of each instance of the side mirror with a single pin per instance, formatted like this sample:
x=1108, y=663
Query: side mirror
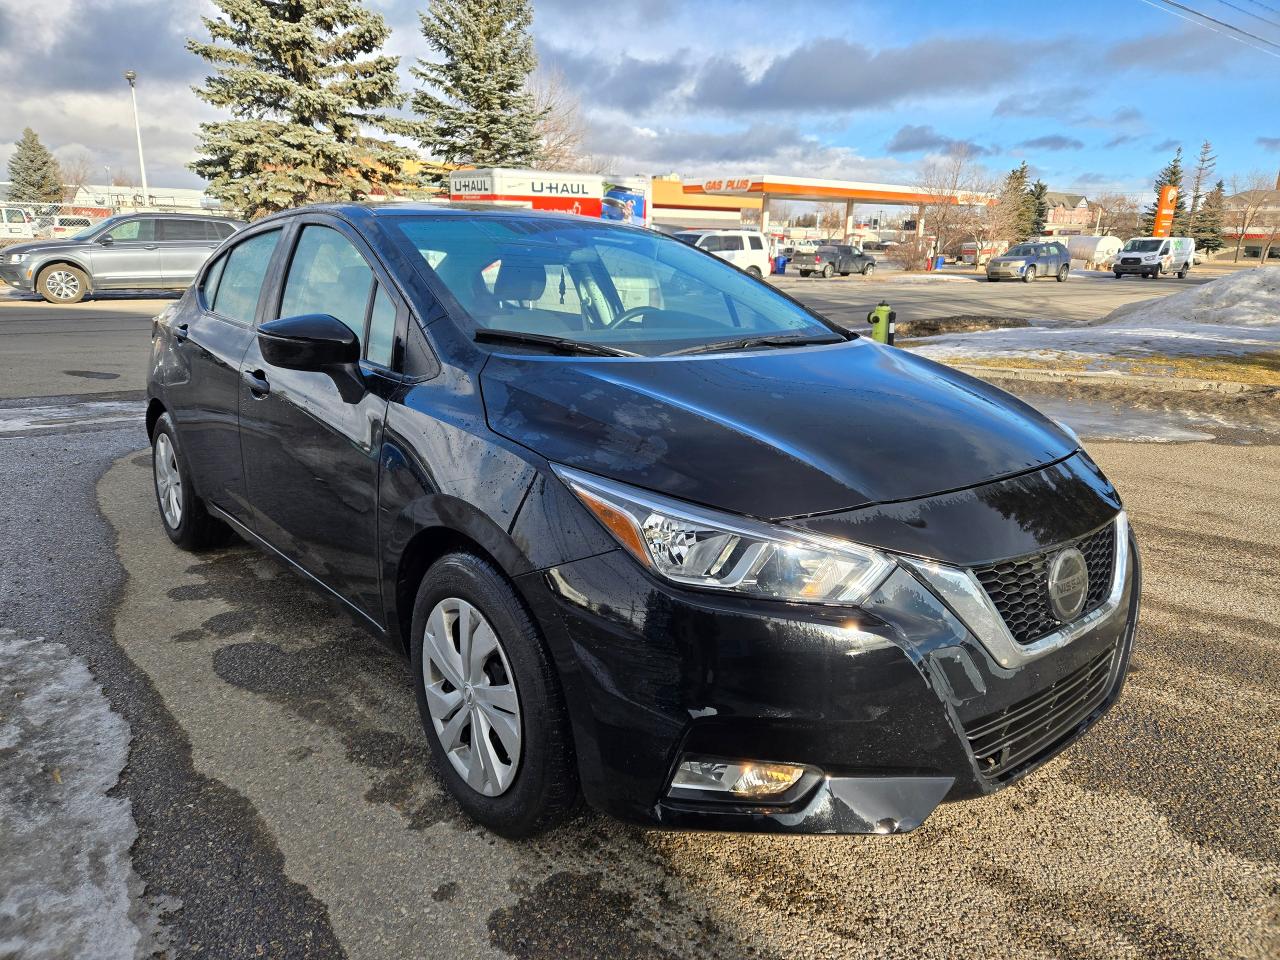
x=106, y=240
x=313, y=341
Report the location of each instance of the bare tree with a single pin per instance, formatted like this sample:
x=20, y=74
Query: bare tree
x=831, y=218
x=1116, y=215
x=955, y=184
x=1250, y=196
x=991, y=215
x=76, y=170
x=560, y=127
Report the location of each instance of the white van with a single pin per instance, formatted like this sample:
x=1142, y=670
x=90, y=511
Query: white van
x=16, y=223
x=1154, y=256
x=745, y=249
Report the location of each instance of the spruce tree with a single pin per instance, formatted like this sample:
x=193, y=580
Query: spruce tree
x=1170, y=175
x=33, y=172
x=1202, y=177
x=1038, y=204
x=1013, y=197
x=1206, y=226
x=478, y=109
x=303, y=81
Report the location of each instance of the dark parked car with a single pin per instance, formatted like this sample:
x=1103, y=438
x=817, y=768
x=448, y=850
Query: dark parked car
x=143, y=251
x=647, y=530
x=830, y=259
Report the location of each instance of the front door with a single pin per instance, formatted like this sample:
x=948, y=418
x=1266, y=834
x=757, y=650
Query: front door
x=127, y=256
x=211, y=347
x=312, y=441
x=185, y=244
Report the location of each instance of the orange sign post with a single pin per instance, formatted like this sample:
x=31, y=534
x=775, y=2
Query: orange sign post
x=1164, y=211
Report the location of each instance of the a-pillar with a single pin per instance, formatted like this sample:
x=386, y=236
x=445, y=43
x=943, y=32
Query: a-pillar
x=848, y=220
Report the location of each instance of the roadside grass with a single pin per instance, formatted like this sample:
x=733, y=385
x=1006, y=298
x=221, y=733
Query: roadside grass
x=1256, y=369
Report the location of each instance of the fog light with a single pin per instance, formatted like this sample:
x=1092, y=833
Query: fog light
x=747, y=779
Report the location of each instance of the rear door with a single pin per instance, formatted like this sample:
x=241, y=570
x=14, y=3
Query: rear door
x=127, y=255
x=185, y=244
x=312, y=441
x=212, y=338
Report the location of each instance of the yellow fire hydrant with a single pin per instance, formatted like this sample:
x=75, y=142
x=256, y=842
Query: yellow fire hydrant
x=882, y=320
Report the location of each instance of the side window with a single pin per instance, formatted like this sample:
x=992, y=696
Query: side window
x=732, y=243
x=712, y=244
x=328, y=275
x=143, y=230
x=222, y=230
x=190, y=230
x=1164, y=248
x=209, y=286
x=382, y=329
x=757, y=243
x=241, y=282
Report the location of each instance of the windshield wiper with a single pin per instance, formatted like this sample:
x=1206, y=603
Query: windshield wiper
x=769, y=341
x=558, y=344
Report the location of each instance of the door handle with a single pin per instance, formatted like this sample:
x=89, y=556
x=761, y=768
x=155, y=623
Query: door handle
x=148, y=246
x=180, y=333
x=259, y=385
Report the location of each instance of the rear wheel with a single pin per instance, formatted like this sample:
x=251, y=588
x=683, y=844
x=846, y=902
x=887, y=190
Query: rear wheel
x=1186, y=268
x=1062, y=273
x=805, y=273
x=755, y=272
x=182, y=513
x=828, y=272
x=62, y=283
x=490, y=700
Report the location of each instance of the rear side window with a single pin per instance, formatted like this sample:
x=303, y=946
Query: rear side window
x=240, y=285
x=328, y=275
x=198, y=231
x=756, y=243
x=223, y=230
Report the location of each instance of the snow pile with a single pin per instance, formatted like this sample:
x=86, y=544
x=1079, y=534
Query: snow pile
x=1237, y=314
x=1246, y=298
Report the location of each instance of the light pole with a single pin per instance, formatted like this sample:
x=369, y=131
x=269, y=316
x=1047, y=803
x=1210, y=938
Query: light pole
x=132, y=77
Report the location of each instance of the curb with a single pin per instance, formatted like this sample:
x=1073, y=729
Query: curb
x=1115, y=378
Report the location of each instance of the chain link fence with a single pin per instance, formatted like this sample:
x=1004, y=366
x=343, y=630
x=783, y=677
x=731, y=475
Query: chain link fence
x=25, y=222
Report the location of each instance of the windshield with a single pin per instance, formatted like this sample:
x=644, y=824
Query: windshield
x=598, y=284
x=1143, y=246
x=1023, y=250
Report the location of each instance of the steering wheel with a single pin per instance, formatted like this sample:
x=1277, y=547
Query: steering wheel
x=628, y=316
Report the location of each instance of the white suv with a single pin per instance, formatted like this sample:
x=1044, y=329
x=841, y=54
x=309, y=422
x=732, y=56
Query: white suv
x=745, y=249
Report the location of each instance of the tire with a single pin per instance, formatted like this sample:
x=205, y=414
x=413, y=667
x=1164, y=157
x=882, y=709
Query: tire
x=755, y=272
x=182, y=514
x=62, y=283
x=1182, y=274
x=805, y=273
x=1119, y=275
x=1062, y=273
x=537, y=785
x=869, y=269
x=844, y=273
x=1029, y=274
x=827, y=272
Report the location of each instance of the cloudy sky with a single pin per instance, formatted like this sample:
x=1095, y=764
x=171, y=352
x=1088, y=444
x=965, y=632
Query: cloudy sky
x=1094, y=95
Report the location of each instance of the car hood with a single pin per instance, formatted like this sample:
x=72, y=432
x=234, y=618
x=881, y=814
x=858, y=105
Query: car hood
x=38, y=246
x=1010, y=259
x=773, y=433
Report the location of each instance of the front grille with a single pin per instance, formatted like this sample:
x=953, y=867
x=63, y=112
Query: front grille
x=1131, y=261
x=1007, y=742
x=1020, y=588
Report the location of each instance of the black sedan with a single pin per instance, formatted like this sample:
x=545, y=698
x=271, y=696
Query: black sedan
x=647, y=530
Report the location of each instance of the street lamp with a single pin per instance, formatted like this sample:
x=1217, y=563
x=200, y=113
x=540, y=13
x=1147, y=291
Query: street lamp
x=132, y=77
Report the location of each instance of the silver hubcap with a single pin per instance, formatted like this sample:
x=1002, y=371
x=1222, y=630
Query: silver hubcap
x=471, y=696
x=62, y=284
x=168, y=481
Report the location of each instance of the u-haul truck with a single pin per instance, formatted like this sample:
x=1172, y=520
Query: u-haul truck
x=584, y=194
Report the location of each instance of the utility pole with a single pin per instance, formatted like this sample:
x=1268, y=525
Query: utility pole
x=132, y=77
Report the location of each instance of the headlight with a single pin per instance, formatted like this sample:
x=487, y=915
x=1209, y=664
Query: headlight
x=719, y=551
x=15, y=258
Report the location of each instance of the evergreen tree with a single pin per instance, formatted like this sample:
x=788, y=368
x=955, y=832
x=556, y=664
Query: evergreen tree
x=1171, y=175
x=1038, y=204
x=1206, y=225
x=481, y=111
x=303, y=81
x=33, y=172
x=1013, y=198
x=1202, y=177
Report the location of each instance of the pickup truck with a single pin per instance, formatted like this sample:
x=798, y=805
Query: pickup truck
x=830, y=259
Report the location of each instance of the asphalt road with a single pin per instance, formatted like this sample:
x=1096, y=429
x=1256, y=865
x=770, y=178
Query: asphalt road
x=283, y=804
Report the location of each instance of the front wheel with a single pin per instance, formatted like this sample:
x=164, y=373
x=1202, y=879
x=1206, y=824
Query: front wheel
x=490, y=700
x=869, y=269
x=62, y=283
x=1118, y=274
x=805, y=273
x=1062, y=273
x=1028, y=274
x=185, y=520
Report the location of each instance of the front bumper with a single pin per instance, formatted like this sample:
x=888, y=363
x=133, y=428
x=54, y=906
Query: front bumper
x=886, y=700
x=1001, y=272
x=15, y=275
x=1135, y=268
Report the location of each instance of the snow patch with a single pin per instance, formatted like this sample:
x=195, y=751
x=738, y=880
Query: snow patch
x=64, y=842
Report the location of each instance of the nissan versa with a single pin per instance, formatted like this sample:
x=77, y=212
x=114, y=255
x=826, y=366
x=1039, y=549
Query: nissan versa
x=649, y=531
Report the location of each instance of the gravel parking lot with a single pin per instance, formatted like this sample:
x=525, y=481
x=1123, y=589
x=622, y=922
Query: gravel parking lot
x=285, y=806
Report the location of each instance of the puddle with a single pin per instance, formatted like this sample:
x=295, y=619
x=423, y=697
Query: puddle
x=1099, y=420
x=16, y=420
